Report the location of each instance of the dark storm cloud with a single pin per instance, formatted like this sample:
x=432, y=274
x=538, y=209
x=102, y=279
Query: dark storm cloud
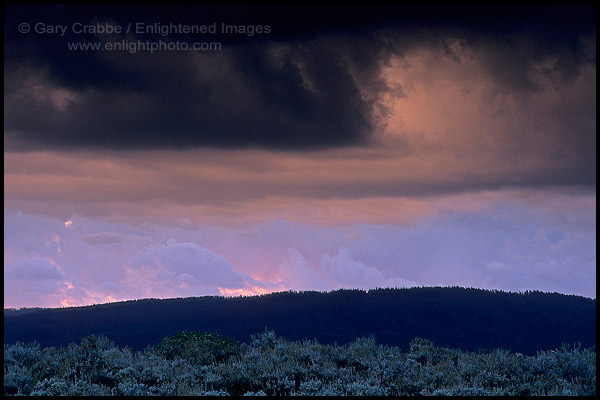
x=312, y=82
x=236, y=98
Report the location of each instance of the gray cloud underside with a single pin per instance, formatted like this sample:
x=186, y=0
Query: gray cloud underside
x=258, y=95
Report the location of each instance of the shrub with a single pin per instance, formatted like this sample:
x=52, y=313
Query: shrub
x=202, y=347
x=194, y=363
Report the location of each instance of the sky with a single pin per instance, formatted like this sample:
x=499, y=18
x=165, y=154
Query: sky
x=240, y=150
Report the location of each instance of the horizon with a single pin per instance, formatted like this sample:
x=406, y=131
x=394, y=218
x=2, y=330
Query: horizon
x=291, y=291
x=149, y=154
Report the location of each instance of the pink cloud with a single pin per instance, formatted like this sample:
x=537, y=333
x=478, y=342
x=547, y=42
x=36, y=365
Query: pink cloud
x=34, y=268
x=336, y=271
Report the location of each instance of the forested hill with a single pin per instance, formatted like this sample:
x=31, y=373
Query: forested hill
x=468, y=319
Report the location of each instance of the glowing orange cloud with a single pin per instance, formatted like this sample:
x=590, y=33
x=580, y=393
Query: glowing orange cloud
x=251, y=291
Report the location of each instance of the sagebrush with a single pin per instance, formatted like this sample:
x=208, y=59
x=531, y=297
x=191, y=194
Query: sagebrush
x=200, y=363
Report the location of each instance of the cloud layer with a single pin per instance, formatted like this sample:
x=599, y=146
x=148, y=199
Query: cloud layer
x=319, y=89
x=538, y=240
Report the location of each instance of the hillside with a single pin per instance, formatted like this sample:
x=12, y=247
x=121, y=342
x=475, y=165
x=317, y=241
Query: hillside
x=468, y=319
